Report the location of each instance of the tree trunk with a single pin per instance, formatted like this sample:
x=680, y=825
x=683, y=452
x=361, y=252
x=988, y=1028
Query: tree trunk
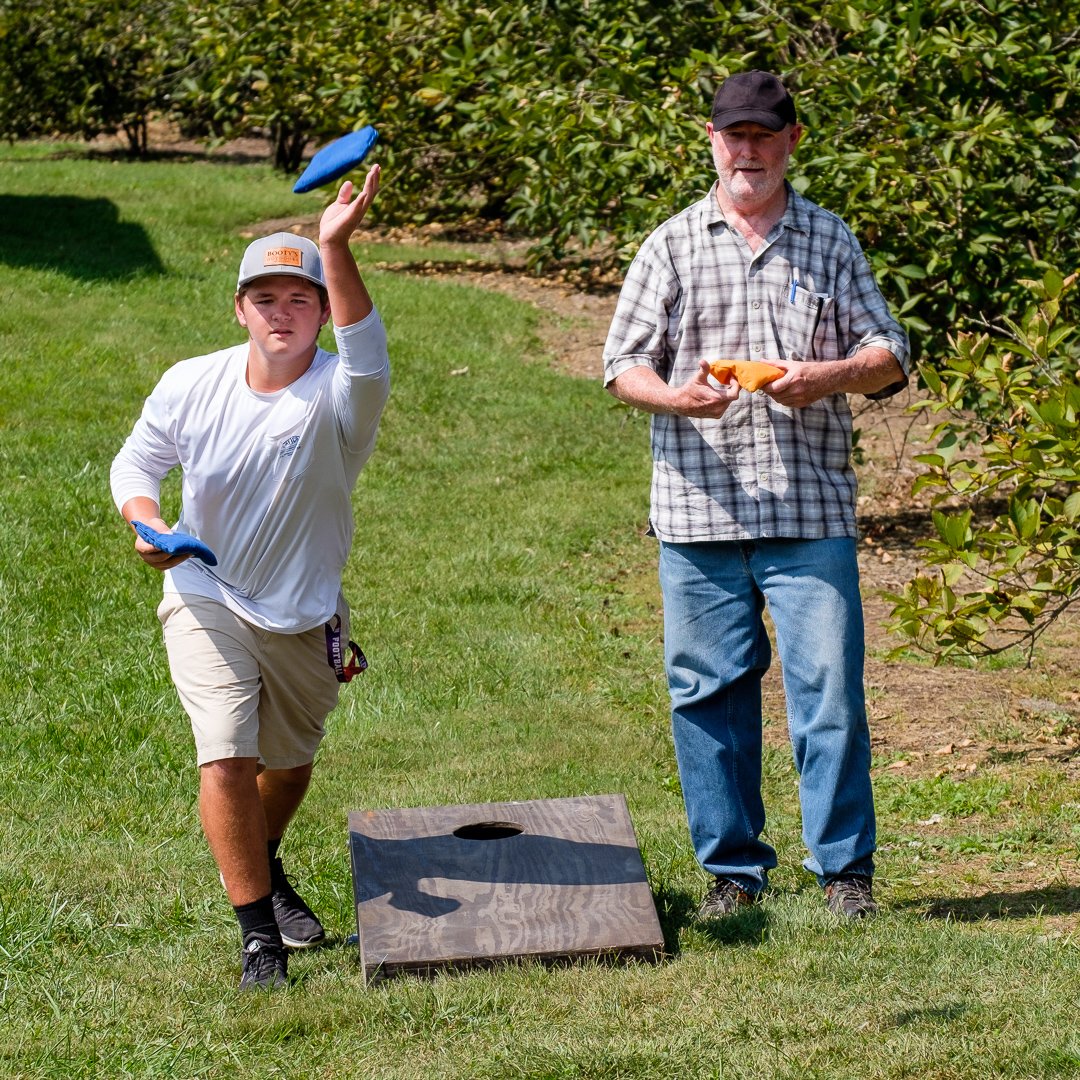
x=137, y=136
x=288, y=147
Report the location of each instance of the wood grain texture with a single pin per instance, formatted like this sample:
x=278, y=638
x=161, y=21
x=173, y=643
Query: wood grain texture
x=571, y=883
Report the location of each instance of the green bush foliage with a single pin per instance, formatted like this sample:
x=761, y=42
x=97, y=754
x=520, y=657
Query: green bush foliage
x=943, y=131
x=1005, y=563
x=945, y=134
x=88, y=68
x=578, y=125
x=288, y=69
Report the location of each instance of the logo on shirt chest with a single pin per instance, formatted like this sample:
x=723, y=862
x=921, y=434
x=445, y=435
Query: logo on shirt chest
x=288, y=447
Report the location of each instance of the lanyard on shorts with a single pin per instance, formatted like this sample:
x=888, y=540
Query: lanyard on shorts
x=335, y=654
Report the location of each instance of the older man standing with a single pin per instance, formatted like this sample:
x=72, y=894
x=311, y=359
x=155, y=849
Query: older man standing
x=753, y=494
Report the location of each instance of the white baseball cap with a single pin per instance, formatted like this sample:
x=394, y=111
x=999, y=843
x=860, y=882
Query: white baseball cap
x=281, y=253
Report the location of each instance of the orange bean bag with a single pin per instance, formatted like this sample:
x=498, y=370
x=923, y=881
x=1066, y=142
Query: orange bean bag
x=749, y=374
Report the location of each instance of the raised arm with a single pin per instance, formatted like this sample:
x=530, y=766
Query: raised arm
x=349, y=299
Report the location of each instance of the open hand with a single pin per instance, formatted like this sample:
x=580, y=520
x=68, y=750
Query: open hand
x=342, y=217
x=153, y=556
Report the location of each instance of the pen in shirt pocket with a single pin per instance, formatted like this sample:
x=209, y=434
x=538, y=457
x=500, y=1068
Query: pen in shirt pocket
x=794, y=286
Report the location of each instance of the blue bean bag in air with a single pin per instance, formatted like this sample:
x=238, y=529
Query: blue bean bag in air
x=336, y=159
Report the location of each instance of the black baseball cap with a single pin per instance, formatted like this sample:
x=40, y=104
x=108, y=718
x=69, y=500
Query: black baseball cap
x=754, y=96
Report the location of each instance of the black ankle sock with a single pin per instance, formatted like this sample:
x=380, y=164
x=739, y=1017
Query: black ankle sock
x=277, y=873
x=258, y=918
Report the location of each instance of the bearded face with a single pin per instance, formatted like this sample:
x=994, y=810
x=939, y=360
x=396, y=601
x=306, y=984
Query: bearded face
x=751, y=161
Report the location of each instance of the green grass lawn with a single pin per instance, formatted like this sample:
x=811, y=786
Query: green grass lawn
x=506, y=600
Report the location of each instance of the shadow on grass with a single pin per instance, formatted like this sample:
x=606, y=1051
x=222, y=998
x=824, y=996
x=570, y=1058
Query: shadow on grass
x=677, y=911
x=1052, y=900
x=241, y=152
x=931, y=1014
x=203, y=152
x=83, y=238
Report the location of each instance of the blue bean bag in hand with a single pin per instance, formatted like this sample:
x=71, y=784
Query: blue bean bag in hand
x=176, y=543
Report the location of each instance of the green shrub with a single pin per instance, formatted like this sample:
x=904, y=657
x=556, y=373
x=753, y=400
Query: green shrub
x=1007, y=550
x=101, y=67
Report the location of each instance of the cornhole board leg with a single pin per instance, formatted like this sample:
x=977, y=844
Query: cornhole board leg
x=461, y=886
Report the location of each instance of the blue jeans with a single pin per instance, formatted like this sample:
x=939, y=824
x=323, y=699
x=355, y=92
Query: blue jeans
x=716, y=651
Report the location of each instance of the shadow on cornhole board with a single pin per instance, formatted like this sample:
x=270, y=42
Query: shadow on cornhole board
x=465, y=886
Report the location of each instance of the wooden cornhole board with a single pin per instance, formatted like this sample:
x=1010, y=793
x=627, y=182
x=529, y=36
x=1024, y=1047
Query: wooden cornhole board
x=460, y=886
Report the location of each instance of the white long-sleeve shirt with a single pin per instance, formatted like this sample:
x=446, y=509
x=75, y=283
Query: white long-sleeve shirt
x=267, y=478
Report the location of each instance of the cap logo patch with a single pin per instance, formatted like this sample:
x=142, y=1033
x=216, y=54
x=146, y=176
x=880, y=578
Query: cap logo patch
x=284, y=256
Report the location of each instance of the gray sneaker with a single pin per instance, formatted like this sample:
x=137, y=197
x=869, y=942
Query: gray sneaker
x=299, y=927
x=850, y=896
x=264, y=965
x=725, y=898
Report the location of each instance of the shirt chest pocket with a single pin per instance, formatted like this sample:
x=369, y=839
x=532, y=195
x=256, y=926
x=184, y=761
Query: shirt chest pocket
x=290, y=451
x=804, y=324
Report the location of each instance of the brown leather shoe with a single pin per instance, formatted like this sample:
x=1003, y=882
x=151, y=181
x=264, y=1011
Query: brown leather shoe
x=850, y=896
x=724, y=898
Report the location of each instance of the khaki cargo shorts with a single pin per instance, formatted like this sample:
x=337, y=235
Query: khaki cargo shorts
x=249, y=692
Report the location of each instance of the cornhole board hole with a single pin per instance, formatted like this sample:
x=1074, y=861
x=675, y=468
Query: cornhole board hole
x=462, y=886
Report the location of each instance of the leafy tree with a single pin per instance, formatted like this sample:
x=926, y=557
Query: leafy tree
x=944, y=131
x=87, y=68
x=286, y=68
x=945, y=134
x=555, y=118
x=35, y=54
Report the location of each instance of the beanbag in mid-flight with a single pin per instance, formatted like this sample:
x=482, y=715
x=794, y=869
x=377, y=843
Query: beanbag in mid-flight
x=749, y=374
x=336, y=159
x=176, y=543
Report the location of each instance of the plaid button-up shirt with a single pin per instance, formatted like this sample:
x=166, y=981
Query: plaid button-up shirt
x=696, y=291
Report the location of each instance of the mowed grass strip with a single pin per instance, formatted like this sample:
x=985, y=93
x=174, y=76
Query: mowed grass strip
x=507, y=602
